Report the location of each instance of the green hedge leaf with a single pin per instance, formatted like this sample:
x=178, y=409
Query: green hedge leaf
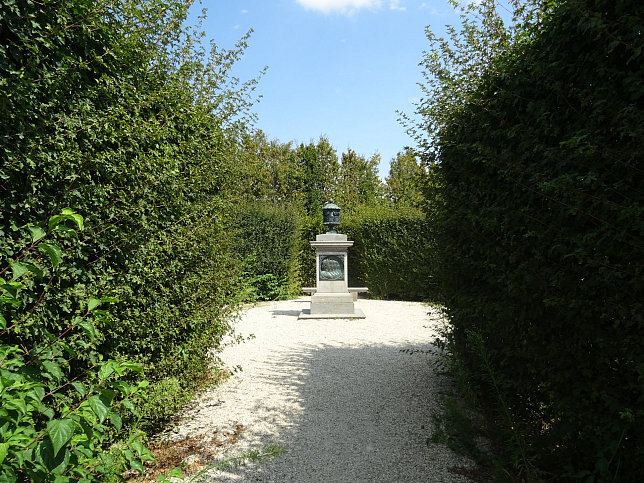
x=93, y=303
x=116, y=420
x=99, y=407
x=106, y=370
x=53, y=251
x=36, y=233
x=60, y=432
x=4, y=451
x=89, y=328
x=53, y=369
x=80, y=388
x=18, y=269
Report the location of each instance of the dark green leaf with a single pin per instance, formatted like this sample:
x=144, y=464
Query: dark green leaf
x=136, y=465
x=36, y=233
x=129, y=405
x=4, y=451
x=66, y=229
x=35, y=269
x=53, y=251
x=54, y=462
x=53, y=369
x=80, y=388
x=139, y=447
x=60, y=432
x=75, y=217
x=93, y=303
x=89, y=328
x=116, y=421
x=99, y=407
x=18, y=269
x=106, y=370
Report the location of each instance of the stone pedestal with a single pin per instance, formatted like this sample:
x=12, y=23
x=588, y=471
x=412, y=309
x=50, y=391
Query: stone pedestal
x=332, y=298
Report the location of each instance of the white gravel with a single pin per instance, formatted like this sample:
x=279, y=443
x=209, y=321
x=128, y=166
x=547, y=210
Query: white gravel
x=348, y=400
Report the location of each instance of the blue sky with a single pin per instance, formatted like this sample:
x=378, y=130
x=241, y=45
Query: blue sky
x=336, y=68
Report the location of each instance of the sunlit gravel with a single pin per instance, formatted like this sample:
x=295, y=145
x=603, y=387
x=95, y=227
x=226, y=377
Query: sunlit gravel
x=347, y=400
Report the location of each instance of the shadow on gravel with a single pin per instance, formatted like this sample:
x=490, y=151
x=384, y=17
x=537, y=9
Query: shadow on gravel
x=361, y=414
x=290, y=313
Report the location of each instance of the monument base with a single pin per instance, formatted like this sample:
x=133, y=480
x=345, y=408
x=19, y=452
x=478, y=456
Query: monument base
x=331, y=298
x=331, y=303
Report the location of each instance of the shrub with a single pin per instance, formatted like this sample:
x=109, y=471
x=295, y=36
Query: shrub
x=54, y=424
x=113, y=109
x=540, y=236
x=392, y=252
x=268, y=241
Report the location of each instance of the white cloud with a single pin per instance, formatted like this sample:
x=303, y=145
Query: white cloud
x=341, y=6
x=396, y=5
x=432, y=10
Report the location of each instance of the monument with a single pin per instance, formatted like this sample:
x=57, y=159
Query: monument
x=332, y=298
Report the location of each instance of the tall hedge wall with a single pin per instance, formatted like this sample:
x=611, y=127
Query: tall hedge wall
x=268, y=243
x=541, y=237
x=98, y=113
x=393, y=252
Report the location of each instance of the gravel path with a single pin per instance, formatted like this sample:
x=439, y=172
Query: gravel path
x=348, y=400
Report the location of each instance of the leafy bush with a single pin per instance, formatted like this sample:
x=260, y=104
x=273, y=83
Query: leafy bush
x=268, y=242
x=540, y=235
x=392, y=252
x=311, y=227
x=54, y=426
x=114, y=109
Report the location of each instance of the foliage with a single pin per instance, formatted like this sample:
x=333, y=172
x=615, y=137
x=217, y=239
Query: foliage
x=53, y=427
x=279, y=172
x=539, y=226
x=406, y=180
x=117, y=109
x=310, y=227
x=454, y=429
x=268, y=243
x=452, y=67
x=264, y=168
x=319, y=165
x=392, y=252
x=358, y=182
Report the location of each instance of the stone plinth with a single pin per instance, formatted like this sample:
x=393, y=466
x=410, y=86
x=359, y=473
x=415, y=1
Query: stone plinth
x=332, y=298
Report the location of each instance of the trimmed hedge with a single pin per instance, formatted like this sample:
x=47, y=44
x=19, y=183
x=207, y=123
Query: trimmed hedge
x=393, y=252
x=96, y=115
x=540, y=237
x=268, y=244
x=311, y=227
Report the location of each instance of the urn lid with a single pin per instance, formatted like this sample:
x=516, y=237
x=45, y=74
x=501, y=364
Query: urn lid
x=331, y=216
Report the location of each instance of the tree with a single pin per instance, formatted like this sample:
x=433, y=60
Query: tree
x=276, y=171
x=452, y=67
x=358, y=181
x=405, y=178
x=263, y=168
x=319, y=165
